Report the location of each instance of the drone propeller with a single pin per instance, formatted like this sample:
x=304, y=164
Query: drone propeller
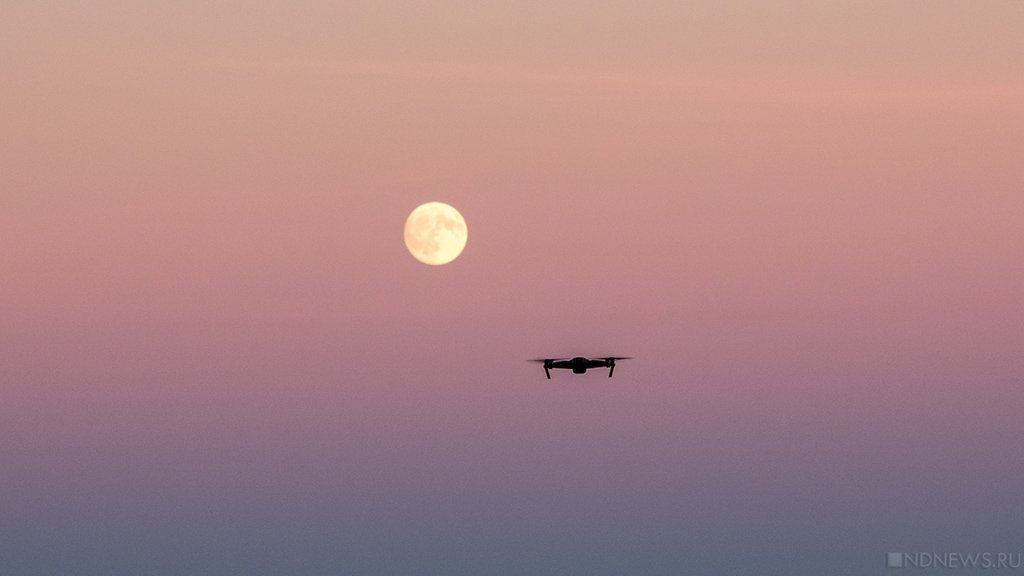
x=611, y=362
x=547, y=362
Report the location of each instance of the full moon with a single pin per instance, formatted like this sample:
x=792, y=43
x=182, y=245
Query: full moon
x=435, y=233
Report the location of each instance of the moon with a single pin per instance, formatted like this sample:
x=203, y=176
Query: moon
x=435, y=233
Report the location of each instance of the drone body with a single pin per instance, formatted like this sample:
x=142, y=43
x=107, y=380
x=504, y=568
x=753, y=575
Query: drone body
x=579, y=364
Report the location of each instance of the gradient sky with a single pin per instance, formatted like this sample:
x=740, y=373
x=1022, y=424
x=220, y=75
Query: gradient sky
x=218, y=358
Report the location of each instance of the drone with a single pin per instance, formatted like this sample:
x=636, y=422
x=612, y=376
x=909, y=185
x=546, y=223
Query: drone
x=580, y=365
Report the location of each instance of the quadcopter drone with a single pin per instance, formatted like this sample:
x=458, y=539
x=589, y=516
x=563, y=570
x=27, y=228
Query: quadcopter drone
x=579, y=365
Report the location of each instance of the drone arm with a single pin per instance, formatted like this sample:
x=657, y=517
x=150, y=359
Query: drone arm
x=611, y=368
x=547, y=372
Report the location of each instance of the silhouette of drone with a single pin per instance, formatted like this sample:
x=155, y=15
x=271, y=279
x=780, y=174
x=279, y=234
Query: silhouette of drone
x=580, y=365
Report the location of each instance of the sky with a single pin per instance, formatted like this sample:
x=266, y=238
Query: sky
x=217, y=357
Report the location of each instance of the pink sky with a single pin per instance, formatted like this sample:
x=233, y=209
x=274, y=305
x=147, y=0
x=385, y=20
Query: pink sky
x=804, y=220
